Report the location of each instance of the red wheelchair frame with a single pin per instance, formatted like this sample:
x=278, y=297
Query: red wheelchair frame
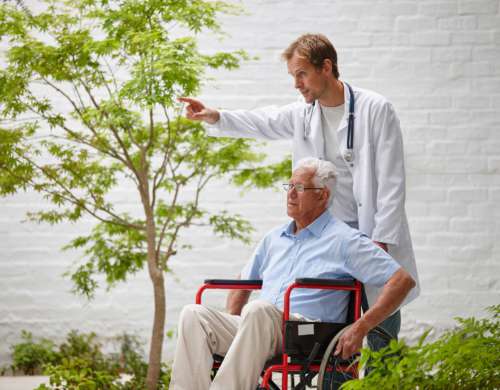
x=286, y=367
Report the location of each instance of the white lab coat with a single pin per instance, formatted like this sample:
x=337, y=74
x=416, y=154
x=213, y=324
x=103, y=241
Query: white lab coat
x=377, y=169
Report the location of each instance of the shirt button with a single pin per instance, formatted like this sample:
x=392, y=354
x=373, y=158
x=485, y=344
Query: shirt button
x=359, y=205
x=351, y=165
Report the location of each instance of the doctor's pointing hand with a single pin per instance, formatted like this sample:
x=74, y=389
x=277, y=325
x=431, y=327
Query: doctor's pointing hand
x=357, y=130
x=196, y=110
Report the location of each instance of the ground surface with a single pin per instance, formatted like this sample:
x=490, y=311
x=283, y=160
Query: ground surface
x=21, y=382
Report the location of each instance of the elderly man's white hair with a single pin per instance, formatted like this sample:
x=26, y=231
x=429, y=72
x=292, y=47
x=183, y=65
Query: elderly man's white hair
x=324, y=173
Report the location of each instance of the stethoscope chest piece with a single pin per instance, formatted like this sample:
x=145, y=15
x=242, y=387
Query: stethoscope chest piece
x=348, y=156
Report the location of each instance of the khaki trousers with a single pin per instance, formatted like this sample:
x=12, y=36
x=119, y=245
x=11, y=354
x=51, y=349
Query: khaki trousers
x=247, y=343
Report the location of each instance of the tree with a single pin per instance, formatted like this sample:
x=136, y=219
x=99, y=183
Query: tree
x=119, y=66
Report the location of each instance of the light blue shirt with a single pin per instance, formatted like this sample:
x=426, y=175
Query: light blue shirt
x=327, y=248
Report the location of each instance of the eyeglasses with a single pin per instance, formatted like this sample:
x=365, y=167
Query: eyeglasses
x=298, y=187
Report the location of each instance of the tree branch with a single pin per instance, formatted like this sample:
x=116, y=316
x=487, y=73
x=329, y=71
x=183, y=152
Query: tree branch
x=168, y=219
x=202, y=181
x=68, y=98
x=114, y=131
x=113, y=152
x=70, y=198
x=151, y=129
x=108, y=152
x=113, y=78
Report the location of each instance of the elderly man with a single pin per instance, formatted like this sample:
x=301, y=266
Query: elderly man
x=314, y=244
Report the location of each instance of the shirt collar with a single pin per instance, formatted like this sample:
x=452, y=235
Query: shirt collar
x=315, y=228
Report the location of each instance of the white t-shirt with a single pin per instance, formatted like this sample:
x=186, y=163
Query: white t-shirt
x=344, y=206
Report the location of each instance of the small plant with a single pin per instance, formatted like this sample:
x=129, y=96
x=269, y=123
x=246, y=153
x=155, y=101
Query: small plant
x=80, y=344
x=467, y=357
x=78, y=374
x=77, y=351
x=29, y=356
x=138, y=379
x=131, y=362
x=130, y=353
x=86, y=348
x=80, y=364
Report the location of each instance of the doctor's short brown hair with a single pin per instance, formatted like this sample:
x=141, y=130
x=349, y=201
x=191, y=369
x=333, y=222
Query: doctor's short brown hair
x=316, y=48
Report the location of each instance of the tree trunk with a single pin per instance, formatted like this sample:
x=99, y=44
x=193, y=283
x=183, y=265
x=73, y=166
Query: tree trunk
x=158, y=281
x=157, y=336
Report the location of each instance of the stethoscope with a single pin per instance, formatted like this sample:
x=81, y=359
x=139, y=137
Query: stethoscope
x=348, y=154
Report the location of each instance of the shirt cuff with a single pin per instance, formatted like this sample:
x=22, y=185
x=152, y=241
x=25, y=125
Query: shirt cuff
x=216, y=129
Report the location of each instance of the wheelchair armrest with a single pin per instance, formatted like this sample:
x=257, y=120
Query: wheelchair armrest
x=227, y=284
x=326, y=282
x=236, y=282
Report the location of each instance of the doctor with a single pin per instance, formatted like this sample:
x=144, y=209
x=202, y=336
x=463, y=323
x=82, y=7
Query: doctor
x=357, y=130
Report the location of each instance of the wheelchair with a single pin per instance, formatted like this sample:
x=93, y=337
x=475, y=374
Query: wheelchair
x=308, y=347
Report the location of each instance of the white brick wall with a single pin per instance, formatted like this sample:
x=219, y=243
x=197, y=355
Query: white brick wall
x=437, y=61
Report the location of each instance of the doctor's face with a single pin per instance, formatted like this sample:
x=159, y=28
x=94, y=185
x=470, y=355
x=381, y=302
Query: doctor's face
x=309, y=80
x=307, y=205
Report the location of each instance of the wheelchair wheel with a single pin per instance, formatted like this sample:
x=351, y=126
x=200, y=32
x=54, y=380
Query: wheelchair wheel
x=334, y=370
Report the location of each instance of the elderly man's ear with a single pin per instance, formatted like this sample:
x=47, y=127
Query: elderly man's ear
x=325, y=194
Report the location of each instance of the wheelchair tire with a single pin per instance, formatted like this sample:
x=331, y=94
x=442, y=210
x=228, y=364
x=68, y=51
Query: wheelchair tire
x=332, y=371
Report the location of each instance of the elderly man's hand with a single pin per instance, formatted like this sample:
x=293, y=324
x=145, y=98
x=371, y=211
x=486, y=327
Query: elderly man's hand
x=352, y=340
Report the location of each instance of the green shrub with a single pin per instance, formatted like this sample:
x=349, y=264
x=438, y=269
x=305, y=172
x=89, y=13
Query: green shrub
x=85, y=348
x=81, y=365
x=81, y=344
x=30, y=356
x=138, y=379
x=467, y=357
x=132, y=363
x=130, y=355
x=78, y=374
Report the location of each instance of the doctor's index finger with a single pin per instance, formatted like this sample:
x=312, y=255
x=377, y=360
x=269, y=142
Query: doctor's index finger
x=196, y=104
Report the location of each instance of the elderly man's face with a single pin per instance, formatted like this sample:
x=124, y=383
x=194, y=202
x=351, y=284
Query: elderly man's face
x=302, y=206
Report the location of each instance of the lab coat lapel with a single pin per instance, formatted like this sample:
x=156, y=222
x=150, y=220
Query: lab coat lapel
x=342, y=129
x=317, y=137
x=342, y=135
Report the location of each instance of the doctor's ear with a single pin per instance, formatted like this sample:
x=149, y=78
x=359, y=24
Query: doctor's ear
x=327, y=65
